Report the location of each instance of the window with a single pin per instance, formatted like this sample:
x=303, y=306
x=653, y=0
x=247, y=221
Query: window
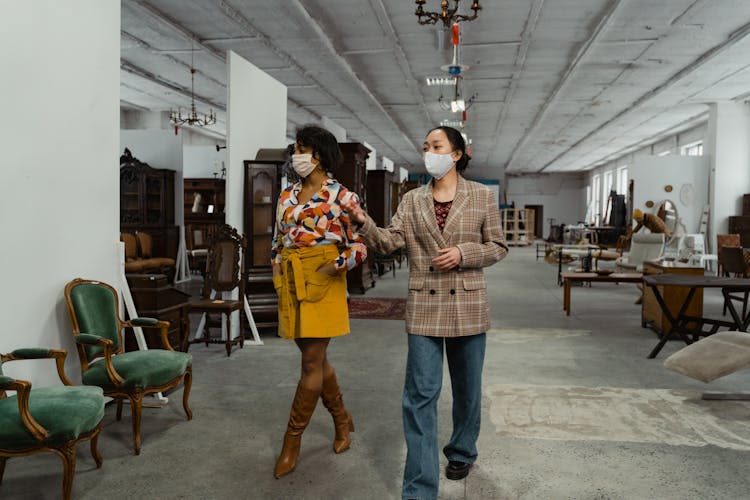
x=694, y=149
x=606, y=188
x=596, y=191
x=622, y=180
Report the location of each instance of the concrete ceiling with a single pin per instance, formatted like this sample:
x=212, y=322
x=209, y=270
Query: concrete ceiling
x=559, y=85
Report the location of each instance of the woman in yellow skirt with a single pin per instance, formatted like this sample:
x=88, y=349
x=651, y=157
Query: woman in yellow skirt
x=313, y=247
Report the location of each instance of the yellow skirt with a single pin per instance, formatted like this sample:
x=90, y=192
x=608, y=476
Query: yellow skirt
x=311, y=304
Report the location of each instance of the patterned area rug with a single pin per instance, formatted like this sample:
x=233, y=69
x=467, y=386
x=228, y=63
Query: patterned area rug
x=674, y=417
x=376, y=308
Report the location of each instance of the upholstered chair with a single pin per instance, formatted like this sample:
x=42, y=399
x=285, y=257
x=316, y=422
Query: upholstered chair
x=98, y=329
x=55, y=419
x=643, y=247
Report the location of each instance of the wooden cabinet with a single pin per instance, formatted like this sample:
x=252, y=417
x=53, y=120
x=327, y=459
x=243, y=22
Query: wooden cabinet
x=518, y=225
x=261, y=194
x=674, y=296
x=352, y=173
x=204, y=200
x=147, y=203
x=380, y=196
x=204, y=213
x=154, y=298
x=740, y=224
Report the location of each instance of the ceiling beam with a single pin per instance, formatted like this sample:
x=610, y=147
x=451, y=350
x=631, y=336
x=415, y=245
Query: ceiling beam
x=384, y=19
x=684, y=125
x=328, y=43
x=163, y=19
x=240, y=20
x=153, y=50
x=131, y=68
x=572, y=67
x=532, y=21
x=153, y=13
x=736, y=37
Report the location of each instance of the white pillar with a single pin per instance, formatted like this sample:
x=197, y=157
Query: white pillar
x=728, y=149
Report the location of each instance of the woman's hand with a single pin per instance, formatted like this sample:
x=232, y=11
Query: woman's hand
x=329, y=269
x=275, y=269
x=354, y=209
x=448, y=259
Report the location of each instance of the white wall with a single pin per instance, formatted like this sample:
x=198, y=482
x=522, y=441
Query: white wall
x=562, y=196
x=650, y=175
x=256, y=108
x=202, y=161
x=160, y=148
x=59, y=197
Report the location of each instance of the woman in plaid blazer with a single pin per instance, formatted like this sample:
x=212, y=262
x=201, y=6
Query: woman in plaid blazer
x=451, y=230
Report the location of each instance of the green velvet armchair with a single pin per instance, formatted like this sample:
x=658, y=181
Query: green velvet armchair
x=52, y=419
x=97, y=328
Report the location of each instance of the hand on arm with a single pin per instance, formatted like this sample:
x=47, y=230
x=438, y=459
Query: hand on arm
x=448, y=258
x=356, y=214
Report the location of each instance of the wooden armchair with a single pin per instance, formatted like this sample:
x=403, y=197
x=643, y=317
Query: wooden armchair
x=97, y=328
x=52, y=419
x=226, y=260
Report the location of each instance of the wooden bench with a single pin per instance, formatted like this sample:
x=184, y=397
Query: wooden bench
x=568, y=278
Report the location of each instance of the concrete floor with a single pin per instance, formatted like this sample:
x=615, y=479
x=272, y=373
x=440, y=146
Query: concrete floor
x=241, y=404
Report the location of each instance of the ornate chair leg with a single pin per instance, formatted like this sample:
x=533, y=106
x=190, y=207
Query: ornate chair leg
x=136, y=403
x=68, y=455
x=187, y=383
x=119, y=409
x=94, y=447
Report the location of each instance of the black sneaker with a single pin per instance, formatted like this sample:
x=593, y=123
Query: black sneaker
x=457, y=470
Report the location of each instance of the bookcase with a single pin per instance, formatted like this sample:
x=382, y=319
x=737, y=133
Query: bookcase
x=147, y=203
x=518, y=225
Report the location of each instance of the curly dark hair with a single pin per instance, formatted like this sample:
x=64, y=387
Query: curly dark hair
x=324, y=146
x=458, y=143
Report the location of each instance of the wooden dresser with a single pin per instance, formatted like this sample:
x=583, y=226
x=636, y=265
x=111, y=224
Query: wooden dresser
x=674, y=296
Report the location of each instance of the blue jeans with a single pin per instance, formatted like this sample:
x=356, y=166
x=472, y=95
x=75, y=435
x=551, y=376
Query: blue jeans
x=424, y=378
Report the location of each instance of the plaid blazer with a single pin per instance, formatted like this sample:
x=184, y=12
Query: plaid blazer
x=449, y=303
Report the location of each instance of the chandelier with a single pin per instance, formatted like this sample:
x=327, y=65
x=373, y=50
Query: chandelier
x=192, y=118
x=447, y=15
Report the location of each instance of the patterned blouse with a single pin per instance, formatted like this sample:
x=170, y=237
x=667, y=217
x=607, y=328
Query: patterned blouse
x=441, y=212
x=320, y=221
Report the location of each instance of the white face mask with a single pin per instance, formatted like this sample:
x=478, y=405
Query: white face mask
x=303, y=164
x=437, y=165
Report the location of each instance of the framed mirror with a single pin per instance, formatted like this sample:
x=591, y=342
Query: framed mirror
x=667, y=212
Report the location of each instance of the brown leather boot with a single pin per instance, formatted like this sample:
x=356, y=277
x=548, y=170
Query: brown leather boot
x=342, y=419
x=302, y=409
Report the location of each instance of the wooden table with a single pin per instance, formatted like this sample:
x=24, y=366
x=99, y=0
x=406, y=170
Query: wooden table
x=572, y=250
x=679, y=323
x=569, y=278
x=674, y=297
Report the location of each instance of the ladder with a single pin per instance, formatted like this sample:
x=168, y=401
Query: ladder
x=704, y=221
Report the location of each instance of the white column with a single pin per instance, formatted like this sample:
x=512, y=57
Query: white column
x=728, y=149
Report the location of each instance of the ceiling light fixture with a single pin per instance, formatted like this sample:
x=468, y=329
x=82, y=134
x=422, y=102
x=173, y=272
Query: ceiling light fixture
x=446, y=15
x=192, y=118
x=446, y=81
